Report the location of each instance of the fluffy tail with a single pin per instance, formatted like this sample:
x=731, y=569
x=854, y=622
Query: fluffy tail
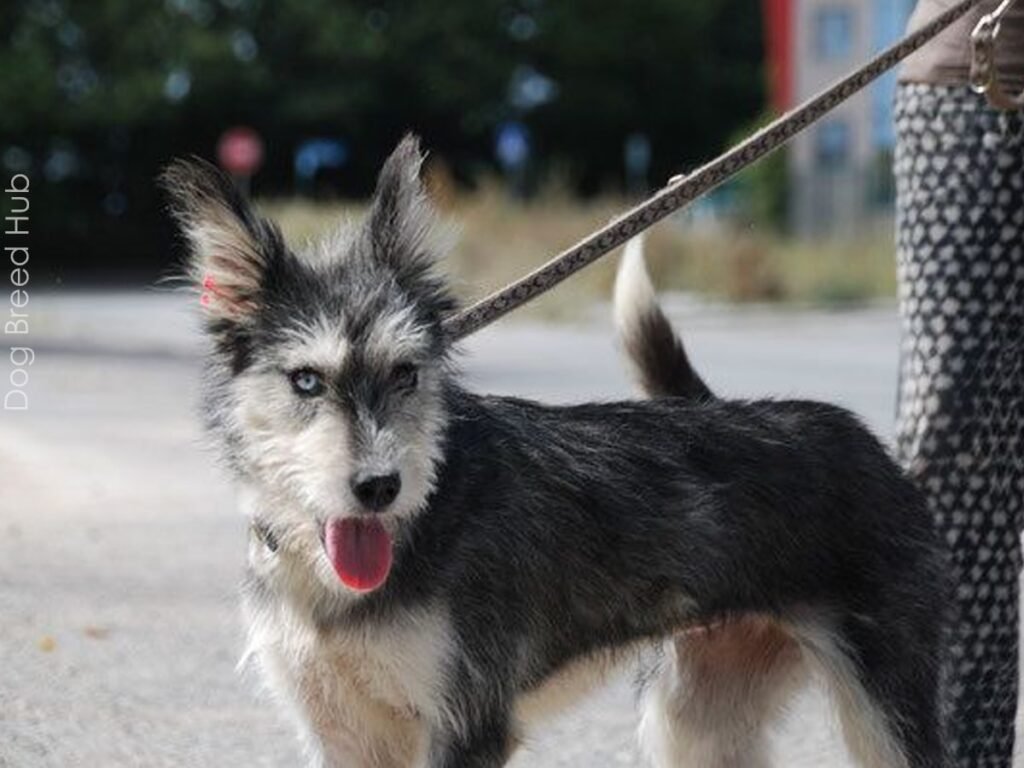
x=654, y=349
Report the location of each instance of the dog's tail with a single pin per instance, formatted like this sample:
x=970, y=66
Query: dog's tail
x=657, y=353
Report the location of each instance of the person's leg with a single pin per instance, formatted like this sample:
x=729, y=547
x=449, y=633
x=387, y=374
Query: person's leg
x=960, y=209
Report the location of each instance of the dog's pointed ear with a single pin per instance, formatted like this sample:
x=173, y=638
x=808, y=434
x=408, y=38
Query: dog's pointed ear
x=231, y=247
x=402, y=219
x=404, y=229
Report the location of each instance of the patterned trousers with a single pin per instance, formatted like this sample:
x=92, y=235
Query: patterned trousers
x=960, y=232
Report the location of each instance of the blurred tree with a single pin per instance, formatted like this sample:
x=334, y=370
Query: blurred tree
x=686, y=74
x=764, y=186
x=95, y=96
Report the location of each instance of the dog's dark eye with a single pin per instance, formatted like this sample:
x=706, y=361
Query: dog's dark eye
x=405, y=377
x=306, y=382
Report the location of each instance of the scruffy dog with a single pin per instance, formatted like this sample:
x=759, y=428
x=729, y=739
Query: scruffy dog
x=431, y=569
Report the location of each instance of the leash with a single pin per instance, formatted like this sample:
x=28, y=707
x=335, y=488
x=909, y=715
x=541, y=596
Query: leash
x=684, y=189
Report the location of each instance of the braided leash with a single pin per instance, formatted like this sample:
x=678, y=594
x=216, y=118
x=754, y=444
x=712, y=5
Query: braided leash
x=683, y=190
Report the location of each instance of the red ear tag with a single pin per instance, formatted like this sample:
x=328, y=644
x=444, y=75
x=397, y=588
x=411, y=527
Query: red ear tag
x=209, y=287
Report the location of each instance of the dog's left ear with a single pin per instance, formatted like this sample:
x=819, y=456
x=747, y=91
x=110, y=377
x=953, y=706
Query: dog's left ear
x=401, y=216
x=231, y=246
x=404, y=229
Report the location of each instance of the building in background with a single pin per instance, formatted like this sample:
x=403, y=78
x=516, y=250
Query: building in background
x=839, y=170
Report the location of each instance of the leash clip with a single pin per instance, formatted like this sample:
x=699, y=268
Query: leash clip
x=984, y=70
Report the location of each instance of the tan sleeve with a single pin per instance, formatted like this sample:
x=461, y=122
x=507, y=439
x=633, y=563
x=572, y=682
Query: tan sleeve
x=947, y=59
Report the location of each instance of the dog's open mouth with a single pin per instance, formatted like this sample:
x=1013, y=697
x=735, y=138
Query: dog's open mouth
x=360, y=551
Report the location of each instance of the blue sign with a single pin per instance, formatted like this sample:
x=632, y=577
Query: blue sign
x=315, y=154
x=512, y=145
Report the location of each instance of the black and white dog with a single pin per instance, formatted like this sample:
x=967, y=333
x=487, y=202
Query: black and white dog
x=430, y=569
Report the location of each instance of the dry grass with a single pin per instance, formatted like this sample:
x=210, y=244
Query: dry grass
x=500, y=239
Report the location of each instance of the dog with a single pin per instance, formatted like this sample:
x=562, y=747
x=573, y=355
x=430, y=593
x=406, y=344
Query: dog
x=431, y=570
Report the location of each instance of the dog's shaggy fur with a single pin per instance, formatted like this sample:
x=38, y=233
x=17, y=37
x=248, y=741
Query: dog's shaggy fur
x=535, y=547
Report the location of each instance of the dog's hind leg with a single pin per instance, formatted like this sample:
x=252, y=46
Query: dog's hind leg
x=715, y=692
x=886, y=692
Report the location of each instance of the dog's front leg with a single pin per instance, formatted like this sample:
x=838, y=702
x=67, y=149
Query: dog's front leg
x=486, y=742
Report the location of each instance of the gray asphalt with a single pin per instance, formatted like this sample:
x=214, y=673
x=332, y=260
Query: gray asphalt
x=120, y=548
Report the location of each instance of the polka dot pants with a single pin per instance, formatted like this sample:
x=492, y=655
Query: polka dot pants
x=960, y=224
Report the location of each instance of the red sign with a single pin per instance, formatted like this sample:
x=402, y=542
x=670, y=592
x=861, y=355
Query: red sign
x=240, y=151
x=780, y=37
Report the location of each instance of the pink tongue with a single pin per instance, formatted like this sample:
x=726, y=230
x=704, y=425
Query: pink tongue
x=360, y=551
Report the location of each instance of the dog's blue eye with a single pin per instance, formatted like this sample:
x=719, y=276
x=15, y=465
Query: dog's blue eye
x=306, y=382
x=405, y=377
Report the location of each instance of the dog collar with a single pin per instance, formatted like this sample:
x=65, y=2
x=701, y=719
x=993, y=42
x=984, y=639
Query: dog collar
x=263, y=533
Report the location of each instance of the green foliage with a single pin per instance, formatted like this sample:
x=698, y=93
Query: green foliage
x=120, y=86
x=764, y=186
x=685, y=73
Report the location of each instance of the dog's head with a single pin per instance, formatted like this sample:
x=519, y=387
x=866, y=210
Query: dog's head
x=328, y=364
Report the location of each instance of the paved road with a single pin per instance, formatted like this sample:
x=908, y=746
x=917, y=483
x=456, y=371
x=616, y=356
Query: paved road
x=120, y=548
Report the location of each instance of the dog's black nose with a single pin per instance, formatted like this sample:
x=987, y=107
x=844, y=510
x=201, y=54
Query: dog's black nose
x=376, y=493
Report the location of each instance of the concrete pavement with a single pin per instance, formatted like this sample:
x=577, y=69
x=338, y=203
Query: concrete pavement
x=120, y=548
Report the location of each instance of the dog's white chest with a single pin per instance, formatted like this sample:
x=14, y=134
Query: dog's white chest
x=360, y=692
x=399, y=664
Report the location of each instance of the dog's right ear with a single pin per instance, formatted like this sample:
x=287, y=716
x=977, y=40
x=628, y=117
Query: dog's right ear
x=231, y=246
